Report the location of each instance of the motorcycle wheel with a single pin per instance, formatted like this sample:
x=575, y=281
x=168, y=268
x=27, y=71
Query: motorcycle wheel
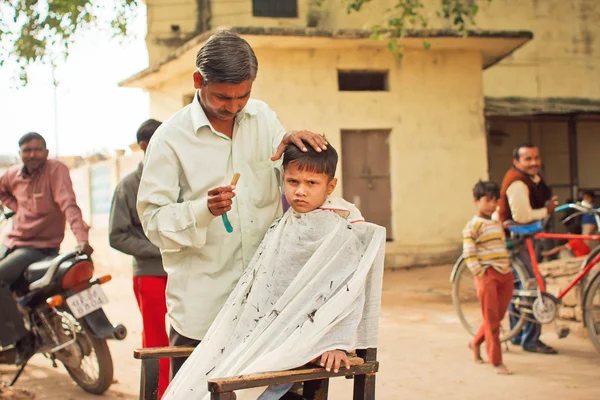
x=95, y=372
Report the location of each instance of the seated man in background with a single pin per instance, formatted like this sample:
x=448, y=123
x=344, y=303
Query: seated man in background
x=41, y=193
x=588, y=221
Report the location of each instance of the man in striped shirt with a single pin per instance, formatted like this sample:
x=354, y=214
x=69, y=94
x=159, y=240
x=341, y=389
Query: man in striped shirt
x=484, y=249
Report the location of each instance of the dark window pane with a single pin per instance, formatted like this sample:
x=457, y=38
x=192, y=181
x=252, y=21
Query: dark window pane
x=362, y=80
x=275, y=8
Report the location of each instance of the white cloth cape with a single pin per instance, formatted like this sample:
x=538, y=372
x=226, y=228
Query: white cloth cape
x=313, y=285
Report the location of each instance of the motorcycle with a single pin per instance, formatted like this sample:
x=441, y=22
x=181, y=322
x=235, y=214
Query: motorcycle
x=62, y=308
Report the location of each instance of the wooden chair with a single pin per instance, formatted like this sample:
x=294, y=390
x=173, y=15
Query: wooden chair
x=316, y=380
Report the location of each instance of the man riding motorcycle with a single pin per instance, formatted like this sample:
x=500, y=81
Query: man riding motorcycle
x=41, y=193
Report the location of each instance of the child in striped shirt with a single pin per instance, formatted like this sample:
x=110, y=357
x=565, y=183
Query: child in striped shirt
x=484, y=249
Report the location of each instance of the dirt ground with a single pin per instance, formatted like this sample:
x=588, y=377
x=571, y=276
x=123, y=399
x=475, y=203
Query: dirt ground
x=422, y=351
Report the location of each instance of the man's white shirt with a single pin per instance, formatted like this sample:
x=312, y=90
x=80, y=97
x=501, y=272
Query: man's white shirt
x=185, y=159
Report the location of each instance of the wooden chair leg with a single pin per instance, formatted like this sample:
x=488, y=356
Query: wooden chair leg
x=149, y=379
x=364, y=387
x=316, y=390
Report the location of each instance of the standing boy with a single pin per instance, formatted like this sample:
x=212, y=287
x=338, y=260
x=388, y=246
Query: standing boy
x=484, y=249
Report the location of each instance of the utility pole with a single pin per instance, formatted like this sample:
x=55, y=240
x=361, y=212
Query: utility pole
x=55, y=95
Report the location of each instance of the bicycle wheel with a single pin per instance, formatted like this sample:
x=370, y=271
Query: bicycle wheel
x=466, y=303
x=583, y=284
x=591, y=310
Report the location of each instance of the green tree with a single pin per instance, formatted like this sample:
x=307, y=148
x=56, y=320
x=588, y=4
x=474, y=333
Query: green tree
x=407, y=15
x=41, y=31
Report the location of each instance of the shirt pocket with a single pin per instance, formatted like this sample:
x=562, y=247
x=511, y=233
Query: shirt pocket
x=43, y=203
x=262, y=185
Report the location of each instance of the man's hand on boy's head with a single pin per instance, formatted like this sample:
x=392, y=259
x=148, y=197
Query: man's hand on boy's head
x=333, y=358
x=315, y=140
x=219, y=199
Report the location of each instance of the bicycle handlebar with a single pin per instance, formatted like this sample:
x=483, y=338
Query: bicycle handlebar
x=578, y=207
x=580, y=210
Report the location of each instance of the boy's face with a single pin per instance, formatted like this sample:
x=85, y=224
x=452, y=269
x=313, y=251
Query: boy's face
x=588, y=198
x=486, y=206
x=306, y=190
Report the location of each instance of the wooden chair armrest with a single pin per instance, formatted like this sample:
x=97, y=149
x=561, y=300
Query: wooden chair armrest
x=162, y=352
x=305, y=373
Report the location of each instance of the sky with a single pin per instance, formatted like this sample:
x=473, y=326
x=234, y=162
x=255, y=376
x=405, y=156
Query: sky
x=93, y=113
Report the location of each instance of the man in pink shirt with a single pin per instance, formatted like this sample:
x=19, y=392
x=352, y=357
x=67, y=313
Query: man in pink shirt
x=41, y=193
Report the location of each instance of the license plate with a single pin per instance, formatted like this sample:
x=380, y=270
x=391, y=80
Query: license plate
x=87, y=301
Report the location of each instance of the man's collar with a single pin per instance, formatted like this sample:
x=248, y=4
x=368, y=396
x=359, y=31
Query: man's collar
x=199, y=118
x=535, y=178
x=23, y=173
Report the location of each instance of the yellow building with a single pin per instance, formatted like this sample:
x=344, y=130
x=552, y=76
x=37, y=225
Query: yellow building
x=411, y=132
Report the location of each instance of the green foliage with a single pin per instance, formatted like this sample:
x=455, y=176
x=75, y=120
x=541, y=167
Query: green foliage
x=410, y=15
x=41, y=31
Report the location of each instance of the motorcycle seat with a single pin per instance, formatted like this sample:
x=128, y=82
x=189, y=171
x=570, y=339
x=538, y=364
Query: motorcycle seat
x=36, y=270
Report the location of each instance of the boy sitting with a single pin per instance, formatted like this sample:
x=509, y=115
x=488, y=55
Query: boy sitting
x=572, y=248
x=311, y=291
x=484, y=249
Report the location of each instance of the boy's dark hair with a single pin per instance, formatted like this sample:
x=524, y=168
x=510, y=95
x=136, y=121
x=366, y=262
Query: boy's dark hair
x=28, y=137
x=147, y=129
x=574, y=226
x=589, y=193
x=324, y=162
x=486, y=188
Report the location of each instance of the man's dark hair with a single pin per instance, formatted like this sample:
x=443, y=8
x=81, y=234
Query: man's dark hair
x=28, y=137
x=226, y=58
x=324, y=162
x=517, y=149
x=486, y=188
x=147, y=129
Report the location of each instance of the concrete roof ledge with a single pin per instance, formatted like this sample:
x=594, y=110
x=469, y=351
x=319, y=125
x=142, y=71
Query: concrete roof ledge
x=494, y=45
x=519, y=106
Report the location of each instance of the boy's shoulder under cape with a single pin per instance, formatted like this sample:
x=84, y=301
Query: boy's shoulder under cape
x=344, y=208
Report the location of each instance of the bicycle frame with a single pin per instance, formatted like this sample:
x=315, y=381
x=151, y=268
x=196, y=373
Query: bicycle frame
x=567, y=236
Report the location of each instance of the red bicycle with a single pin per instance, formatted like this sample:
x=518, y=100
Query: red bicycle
x=530, y=300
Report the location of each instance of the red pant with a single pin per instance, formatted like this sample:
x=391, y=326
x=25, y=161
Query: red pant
x=150, y=295
x=494, y=291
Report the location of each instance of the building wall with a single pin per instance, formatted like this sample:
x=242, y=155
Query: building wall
x=168, y=99
x=434, y=108
x=561, y=61
x=162, y=15
x=331, y=15
x=588, y=148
